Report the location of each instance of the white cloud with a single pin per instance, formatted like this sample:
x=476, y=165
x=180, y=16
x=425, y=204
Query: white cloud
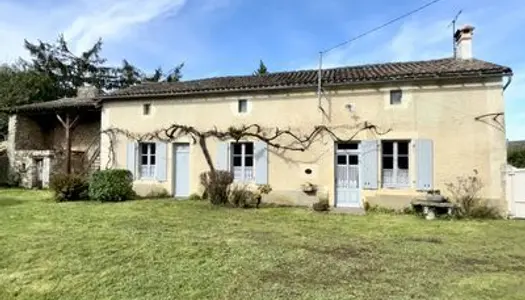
x=116, y=19
x=416, y=41
x=82, y=22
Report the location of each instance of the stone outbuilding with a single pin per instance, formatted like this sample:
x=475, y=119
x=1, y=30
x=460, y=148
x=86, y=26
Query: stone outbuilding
x=43, y=135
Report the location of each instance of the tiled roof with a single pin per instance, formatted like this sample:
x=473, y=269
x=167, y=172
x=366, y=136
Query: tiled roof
x=58, y=104
x=392, y=72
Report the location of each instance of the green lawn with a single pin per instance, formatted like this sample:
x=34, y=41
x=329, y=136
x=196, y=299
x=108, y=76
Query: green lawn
x=166, y=249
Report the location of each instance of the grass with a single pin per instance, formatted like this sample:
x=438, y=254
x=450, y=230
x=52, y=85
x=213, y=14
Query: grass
x=166, y=249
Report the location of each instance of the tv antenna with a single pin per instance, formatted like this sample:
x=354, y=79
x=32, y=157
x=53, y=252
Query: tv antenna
x=453, y=24
x=321, y=53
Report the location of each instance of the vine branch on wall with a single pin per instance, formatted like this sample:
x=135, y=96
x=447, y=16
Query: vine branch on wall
x=496, y=123
x=273, y=137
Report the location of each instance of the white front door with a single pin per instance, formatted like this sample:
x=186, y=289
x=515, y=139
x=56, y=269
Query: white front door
x=181, y=166
x=347, y=191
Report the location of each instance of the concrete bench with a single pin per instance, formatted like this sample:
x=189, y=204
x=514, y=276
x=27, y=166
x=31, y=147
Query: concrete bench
x=430, y=208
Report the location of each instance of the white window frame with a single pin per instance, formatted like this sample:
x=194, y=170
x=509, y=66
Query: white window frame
x=394, y=178
x=146, y=109
x=240, y=107
x=148, y=170
x=243, y=173
x=392, y=92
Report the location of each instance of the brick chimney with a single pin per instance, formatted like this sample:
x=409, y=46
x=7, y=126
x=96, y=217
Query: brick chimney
x=87, y=92
x=463, y=37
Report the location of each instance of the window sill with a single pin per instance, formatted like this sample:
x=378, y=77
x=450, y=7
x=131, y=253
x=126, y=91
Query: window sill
x=146, y=179
x=392, y=192
x=244, y=181
x=396, y=187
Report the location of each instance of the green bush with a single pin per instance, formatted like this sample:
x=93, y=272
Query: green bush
x=195, y=197
x=216, y=185
x=380, y=209
x=241, y=196
x=516, y=158
x=465, y=193
x=485, y=211
x=69, y=187
x=264, y=189
x=111, y=185
x=321, y=205
x=158, y=193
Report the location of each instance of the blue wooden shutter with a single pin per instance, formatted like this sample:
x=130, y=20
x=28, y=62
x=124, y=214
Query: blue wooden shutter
x=161, y=161
x=369, y=164
x=261, y=162
x=131, y=158
x=425, y=164
x=223, y=158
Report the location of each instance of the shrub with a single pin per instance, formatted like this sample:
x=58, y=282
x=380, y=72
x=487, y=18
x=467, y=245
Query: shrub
x=516, y=158
x=69, y=187
x=465, y=193
x=241, y=196
x=264, y=189
x=380, y=209
x=216, y=185
x=158, y=193
x=111, y=185
x=321, y=205
x=195, y=197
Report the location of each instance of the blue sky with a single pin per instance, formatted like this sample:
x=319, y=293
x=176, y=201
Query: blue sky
x=228, y=37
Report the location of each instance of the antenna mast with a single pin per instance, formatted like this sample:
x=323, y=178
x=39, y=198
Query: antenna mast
x=321, y=53
x=454, y=48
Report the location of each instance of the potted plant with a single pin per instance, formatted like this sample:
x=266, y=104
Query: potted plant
x=309, y=188
x=435, y=195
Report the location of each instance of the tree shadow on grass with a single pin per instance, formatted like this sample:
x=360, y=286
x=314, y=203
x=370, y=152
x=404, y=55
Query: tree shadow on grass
x=4, y=202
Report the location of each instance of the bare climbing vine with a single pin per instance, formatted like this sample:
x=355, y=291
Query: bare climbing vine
x=283, y=139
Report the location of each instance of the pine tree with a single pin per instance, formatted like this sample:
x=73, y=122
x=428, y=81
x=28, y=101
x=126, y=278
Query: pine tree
x=262, y=70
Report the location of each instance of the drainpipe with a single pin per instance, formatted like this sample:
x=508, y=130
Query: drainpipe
x=319, y=81
x=509, y=80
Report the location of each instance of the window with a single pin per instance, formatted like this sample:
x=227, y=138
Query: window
x=242, y=106
x=348, y=146
x=146, y=109
x=242, y=161
x=396, y=97
x=147, y=160
x=395, y=163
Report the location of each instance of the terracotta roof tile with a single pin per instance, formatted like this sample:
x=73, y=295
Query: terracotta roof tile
x=58, y=104
x=402, y=71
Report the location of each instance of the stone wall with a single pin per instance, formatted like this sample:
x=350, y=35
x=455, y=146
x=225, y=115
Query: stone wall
x=4, y=169
x=35, y=137
x=30, y=135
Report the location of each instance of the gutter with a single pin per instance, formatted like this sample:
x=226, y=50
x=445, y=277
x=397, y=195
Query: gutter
x=291, y=87
x=509, y=80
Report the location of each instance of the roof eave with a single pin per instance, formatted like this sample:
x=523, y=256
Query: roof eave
x=52, y=109
x=507, y=72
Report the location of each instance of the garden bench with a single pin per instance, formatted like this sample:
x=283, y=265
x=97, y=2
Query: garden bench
x=430, y=208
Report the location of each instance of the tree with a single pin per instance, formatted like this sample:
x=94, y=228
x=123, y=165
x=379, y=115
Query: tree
x=262, y=70
x=69, y=71
x=155, y=77
x=516, y=157
x=128, y=75
x=21, y=84
x=175, y=74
